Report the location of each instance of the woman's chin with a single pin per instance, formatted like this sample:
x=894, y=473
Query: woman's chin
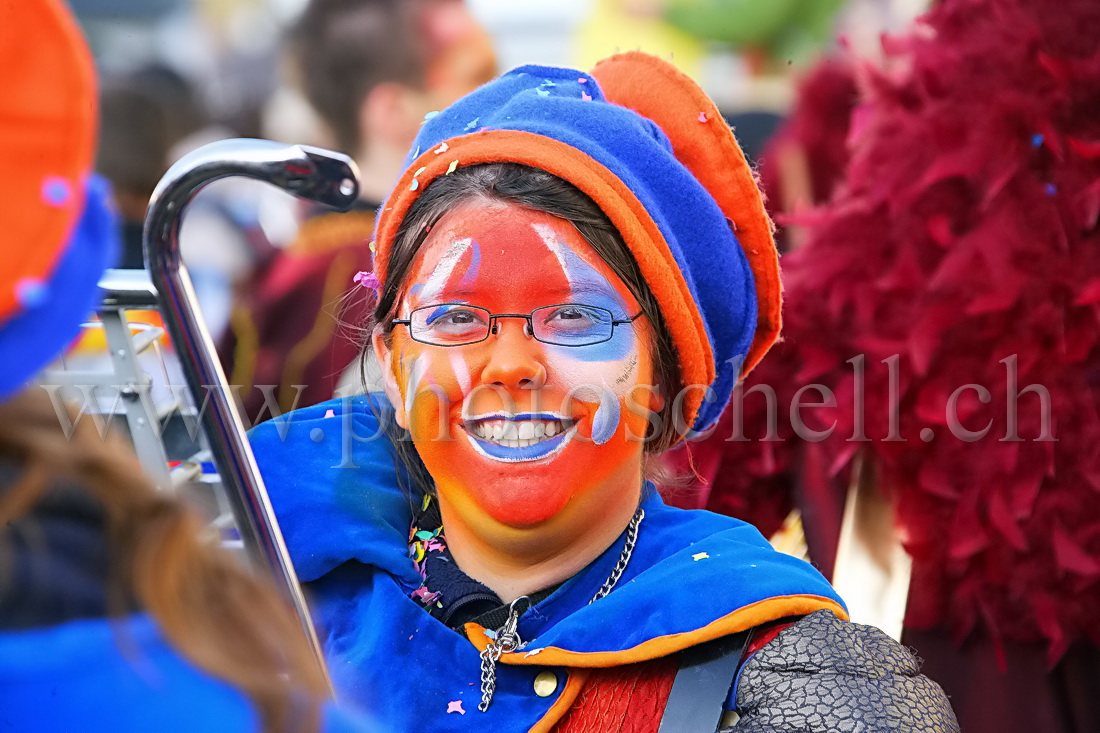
x=522, y=502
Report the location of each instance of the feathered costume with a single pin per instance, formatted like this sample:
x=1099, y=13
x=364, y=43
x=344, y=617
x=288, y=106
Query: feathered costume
x=964, y=239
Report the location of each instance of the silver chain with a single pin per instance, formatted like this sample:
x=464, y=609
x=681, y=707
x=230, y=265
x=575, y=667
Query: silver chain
x=624, y=556
x=507, y=638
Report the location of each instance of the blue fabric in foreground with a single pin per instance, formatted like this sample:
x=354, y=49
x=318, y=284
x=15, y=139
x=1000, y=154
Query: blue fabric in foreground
x=122, y=676
x=346, y=523
x=567, y=105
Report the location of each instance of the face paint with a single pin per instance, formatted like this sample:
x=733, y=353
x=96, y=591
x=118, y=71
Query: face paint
x=539, y=433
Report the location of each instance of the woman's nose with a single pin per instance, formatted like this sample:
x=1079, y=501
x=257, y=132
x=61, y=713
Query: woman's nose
x=516, y=359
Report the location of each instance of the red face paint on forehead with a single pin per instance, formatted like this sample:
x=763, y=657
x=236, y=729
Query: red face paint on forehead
x=509, y=259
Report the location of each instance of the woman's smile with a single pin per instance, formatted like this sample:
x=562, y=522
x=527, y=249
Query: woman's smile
x=525, y=437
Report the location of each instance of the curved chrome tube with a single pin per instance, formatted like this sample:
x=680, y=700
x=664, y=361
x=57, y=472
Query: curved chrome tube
x=311, y=173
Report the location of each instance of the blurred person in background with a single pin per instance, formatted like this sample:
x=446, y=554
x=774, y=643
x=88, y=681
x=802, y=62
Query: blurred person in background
x=148, y=117
x=114, y=613
x=963, y=241
x=373, y=70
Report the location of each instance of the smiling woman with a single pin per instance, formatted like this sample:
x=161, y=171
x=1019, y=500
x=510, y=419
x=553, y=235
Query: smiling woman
x=572, y=277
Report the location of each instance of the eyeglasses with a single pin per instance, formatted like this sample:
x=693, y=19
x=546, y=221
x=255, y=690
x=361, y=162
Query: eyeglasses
x=564, y=324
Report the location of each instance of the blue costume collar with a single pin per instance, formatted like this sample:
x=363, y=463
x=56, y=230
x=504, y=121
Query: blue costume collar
x=336, y=486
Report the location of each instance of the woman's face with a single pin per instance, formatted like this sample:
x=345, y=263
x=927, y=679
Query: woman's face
x=513, y=430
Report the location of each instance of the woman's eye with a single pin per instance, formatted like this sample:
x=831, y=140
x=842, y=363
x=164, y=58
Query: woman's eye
x=573, y=317
x=458, y=317
x=451, y=320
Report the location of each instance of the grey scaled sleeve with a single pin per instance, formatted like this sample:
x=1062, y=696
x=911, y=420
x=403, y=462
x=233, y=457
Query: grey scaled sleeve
x=823, y=675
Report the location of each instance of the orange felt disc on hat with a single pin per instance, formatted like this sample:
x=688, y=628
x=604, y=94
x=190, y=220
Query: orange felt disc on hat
x=705, y=144
x=47, y=139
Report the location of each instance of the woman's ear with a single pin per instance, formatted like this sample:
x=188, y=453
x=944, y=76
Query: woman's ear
x=384, y=355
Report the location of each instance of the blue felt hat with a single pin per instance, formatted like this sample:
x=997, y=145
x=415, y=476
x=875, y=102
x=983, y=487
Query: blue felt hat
x=650, y=148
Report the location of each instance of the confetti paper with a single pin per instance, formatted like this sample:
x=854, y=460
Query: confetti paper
x=442, y=148
x=455, y=706
x=31, y=292
x=452, y=167
x=700, y=556
x=55, y=191
x=367, y=279
x=702, y=116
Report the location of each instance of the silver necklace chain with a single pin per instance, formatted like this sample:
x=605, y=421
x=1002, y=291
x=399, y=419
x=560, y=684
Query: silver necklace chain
x=624, y=556
x=507, y=637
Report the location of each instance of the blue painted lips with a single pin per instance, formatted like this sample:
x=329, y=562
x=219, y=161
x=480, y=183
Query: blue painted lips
x=480, y=433
x=542, y=449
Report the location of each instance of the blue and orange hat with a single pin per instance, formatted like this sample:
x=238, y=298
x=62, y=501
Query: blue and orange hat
x=650, y=148
x=58, y=233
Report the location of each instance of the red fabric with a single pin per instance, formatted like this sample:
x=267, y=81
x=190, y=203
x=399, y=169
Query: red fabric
x=764, y=635
x=1024, y=696
x=626, y=699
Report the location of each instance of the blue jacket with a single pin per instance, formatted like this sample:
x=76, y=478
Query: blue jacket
x=333, y=480
x=92, y=675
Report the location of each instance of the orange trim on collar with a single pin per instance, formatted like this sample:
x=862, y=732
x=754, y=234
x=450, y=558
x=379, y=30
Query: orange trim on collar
x=744, y=618
x=705, y=144
x=626, y=212
x=574, y=683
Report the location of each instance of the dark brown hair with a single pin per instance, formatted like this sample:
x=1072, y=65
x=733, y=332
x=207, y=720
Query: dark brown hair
x=541, y=191
x=222, y=618
x=342, y=49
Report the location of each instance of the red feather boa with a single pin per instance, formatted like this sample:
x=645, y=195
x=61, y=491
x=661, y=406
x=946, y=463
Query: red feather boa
x=965, y=232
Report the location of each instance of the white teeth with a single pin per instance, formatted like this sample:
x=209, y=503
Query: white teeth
x=517, y=433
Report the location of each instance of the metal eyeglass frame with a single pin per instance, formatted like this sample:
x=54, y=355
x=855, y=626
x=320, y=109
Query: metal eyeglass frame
x=494, y=317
